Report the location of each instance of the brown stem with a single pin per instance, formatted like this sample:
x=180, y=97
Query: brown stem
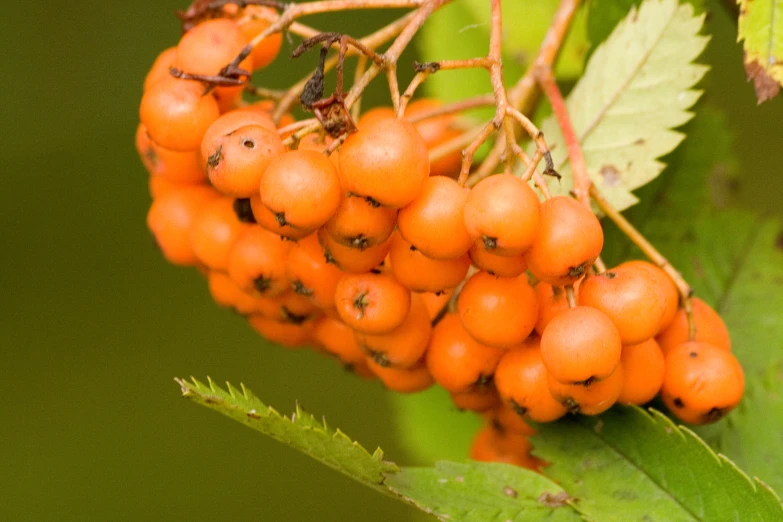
x=650, y=252
x=570, y=296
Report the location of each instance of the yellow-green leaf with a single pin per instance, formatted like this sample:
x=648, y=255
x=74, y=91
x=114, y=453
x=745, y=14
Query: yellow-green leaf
x=761, y=29
x=637, y=87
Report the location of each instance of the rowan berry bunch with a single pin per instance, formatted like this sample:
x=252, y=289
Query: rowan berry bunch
x=374, y=238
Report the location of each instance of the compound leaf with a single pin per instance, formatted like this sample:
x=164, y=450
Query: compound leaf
x=761, y=30
x=637, y=87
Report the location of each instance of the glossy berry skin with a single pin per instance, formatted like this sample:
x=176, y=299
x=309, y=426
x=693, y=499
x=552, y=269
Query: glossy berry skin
x=177, y=114
x=478, y=399
x=170, y=219
x=434, y=222
x=629, y=297
x=386, y=160
x=493, y=445
x=176, y=166
x=372, y=303
x=160, y=67
x=402, y=380
x=237, y=161
x=301, y=188
x=522, y=381
x=498, y=311
x=664, y=286
x=580, y=345
x=358, y=224
x=710, y=328
x=353, y=260
x=568, y=242
x=502, y=214
x=267, y=220
x=497, y=265
x=309, y=273
x=420, y=273
x=214, y=232
x=458, y=362
x=337, y=338
x=643, y=370
x=589, y=400
x=257, y=263
x=702, y=382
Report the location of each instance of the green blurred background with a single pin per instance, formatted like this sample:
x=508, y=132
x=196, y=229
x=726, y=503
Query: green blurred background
x=95, y=325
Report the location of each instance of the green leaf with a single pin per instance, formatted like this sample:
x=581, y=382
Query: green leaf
x=630, y=465
x=479, y=492
x=637, y=86
x=761, y=28
x=461, y=30
x=604, y=15
x=301, y=431
x=734, y=260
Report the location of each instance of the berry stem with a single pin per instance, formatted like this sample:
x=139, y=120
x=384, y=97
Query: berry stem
x=650, y=252
x=570, y=296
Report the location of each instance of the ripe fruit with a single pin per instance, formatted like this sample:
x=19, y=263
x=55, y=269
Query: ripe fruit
x=337, y=338
x=284, y=333
x=257, y=263
x=422, y=274
x=457, y=361
x=434, y=222
x=580, y=345
x=372, y=303
x=505, y=418
x=170, y=219
x=569, y=241
x=494, y=264
x=309, y=273
x=236, y=161
x=402, y=380
x=160, y=67
x=214, y=232
x=643, y=369
x=253, y=24
x=664, y=285
x=551, y=301
x=435, y=303
x=710, y=328
x=228, y=295
x=177, y=114
x=521, y=380
x=179, y=167
x=498, y=311
x=436, y=131
x=358, y=224
x=386, y=160
x=478, y=399
x=502, y=214
x=353, y=260
x=702, y=382
x=593, y=399
x=301, y=188
x=493, y=445
x=629, y=297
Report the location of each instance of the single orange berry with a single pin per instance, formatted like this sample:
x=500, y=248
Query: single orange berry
x=353, y=260
x=228, y=295
x=267, y=220
x=478, y=399
x=434, y=222
x=402, y=380
x=422, y=274
x=159, y=185
x=710, y=328
x=592, y=399
x=310, y=274
x=372, y=303
x=643, y=370
x=551, y=301
x=498, y=311
x=502, y=214
x=665, y=287
x=506, y=419
x=494, y=264
x=568, y=242
x=160, y=67
x=214, y=232
x=702, y=382
x=580, y=345
x=177, y=166
x=358, y=224
x=493, y=445
x=284, y=333
x=435, y=131
x=337, y=338
x=257, y=263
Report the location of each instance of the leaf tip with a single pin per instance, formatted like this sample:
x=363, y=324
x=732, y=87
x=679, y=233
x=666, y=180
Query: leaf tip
x=766, y=86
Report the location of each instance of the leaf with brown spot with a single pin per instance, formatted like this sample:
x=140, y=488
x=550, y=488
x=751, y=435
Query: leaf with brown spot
x=760, y=28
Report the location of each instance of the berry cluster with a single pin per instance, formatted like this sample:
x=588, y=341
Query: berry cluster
x=371, y=253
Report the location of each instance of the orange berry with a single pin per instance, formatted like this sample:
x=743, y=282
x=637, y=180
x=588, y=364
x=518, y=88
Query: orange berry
x=434, y=222
x=177, y=114
x=386, y=160
x=502, y=214
x=296, y=308
x=710, y=328
x=158, y=186
x=404, y=346
x=228, y=295
x=358, y=224
x=457, y=361
x=266, y=219
x=177, y=166
x=284, y=333
x=229, y=122
x=505, y=418
x=337, y=338
x=493, y=445
x=494, y=264
x=629, y=297
x=214, y=232
x=479, y=399
x=551, y=301
x=257, y=263
x=702, y=382
x=353, y=260
x=160, y=67
x=435, y=303
x=372, y=303
x=643, y=369
x=236, y=162
x=580, y=345
x=402, y=380
x=436, y=131
x=522, y=381
x=569, y=241
x=664, y=285
x=593, y=399
x=310, y=274
x=301, y=188
x=170, y=219
x=255, y=23
x=423, y=274
x=375, y=114
x=498, y=311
